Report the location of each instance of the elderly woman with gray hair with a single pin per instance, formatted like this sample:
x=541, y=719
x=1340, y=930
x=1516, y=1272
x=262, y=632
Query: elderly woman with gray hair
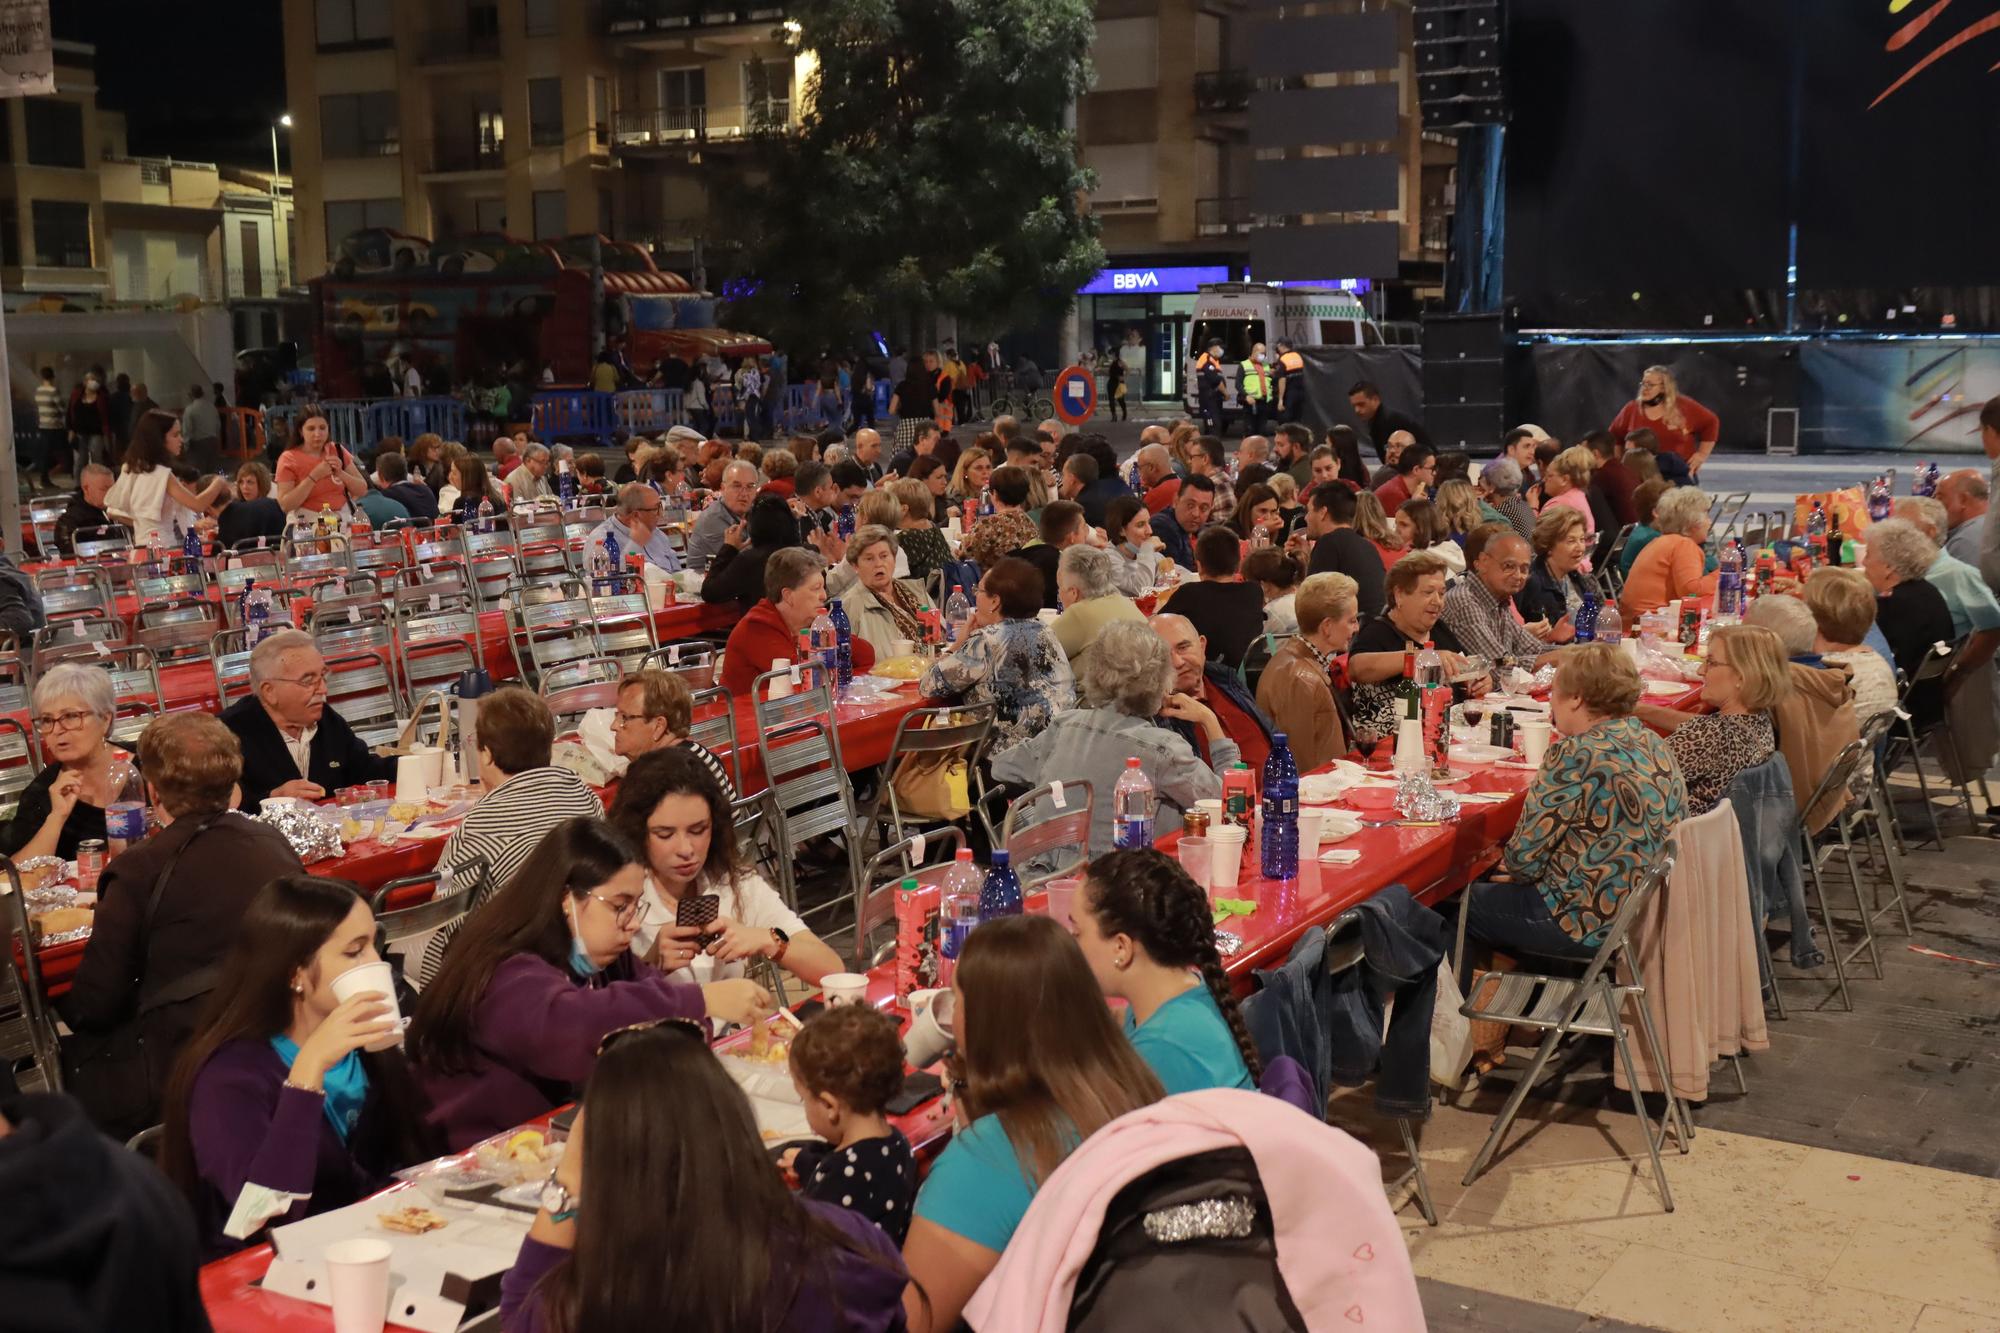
x=1125, y=680
x=1091, y=601
x=1672, y=566
x=1500, y=497
x=881, y=607
x=64, y=805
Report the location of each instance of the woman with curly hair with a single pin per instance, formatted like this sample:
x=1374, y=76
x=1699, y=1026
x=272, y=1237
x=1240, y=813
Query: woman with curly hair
x=1148, y=933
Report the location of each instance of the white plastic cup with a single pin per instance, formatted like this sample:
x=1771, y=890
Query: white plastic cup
x=844, y=988
x=781, y=688
x=903, y=647
x=1048, y=615
x=1226, y=855
x=376, y=977
x=1534, y=742
x=1309, y=821
x=1213, y=809
x=357, y=1284
x=1062, y=897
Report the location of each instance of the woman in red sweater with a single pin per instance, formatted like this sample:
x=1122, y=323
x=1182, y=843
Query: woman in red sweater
x=794, y=592
x=1684, y=427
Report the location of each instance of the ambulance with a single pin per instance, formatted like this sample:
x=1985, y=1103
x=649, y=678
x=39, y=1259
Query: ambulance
x=1240, y=315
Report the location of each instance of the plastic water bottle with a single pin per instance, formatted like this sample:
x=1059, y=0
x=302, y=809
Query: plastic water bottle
x=958, y=912
x=957, y=611
x=1880, y=501
x=191, y=544
x=1586, y=619
x=826, y=642
x=1924, y=481
x=1433, y=704
x=1000, y=895
x=486, y=515
x=844, y=522
x=1816, y=530
x=985, y=501
x=1610, y=625
x=256, y=613
x=843, y=638
x=1729, y=583
x=1132, y=807
x=1279, y=849
x=565, y=482
x=611, y=553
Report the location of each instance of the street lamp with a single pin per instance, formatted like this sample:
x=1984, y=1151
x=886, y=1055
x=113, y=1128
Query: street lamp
x=286, y=121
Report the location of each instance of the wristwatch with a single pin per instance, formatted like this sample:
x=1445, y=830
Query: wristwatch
x=783, y=941
x=557, y=1201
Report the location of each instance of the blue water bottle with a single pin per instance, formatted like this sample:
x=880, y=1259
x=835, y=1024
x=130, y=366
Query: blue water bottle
x=1586, y=619
x=1279, y=849
x=191, y=548
x=844, y=522
x=612, y=570
x=843, y=632
x=1001, y=894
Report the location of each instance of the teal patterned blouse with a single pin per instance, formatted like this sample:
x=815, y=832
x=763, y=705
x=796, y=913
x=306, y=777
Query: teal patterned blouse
x=1596, y=819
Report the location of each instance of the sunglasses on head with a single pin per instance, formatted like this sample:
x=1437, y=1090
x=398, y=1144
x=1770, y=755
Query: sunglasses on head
x=686, y=1027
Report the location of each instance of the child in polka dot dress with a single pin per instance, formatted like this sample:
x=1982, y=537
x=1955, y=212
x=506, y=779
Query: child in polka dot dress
x=847, y=1063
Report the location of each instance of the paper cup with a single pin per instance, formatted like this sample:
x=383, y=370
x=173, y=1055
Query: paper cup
x=1062, y=898
x=375, y=977
x=844, y=988
x=1225, y=846
x=781, y=688
x=902, y=647
x=1213, y=809
x=1197, y=858
x=1048, y=615
x=357, y=1284
x=1534, y=742
x=1309, y=818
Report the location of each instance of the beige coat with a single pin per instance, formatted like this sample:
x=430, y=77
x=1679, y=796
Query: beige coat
x=1296, y=695
x=1815, y=722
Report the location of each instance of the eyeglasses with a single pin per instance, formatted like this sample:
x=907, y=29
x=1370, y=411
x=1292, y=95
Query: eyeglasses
x=621, y=718
x=626, y=916
x=685, y=1027
x=75, y=717
x=311, y=681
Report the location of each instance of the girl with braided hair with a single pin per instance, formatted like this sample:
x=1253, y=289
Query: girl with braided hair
x=1146, y=930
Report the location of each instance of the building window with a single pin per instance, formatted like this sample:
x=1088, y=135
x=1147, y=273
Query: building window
x=359, y=125
x=683, y=96
x=6, y=133
x=62, y=234
x=55, y=132
x=354, y=23
x=767, y=92
x=600, y=111
x=10, y=234
x=551, y=214
x=545, y=112
x=1126, y=54
x=344, y=217
x=540, y=18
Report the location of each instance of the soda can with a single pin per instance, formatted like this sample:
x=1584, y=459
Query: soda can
x=1690, y=625
x=89, y=863
x=125, y=821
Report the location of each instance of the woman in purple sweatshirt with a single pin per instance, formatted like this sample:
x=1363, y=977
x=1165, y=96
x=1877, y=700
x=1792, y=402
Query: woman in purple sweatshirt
x=275, y=1110
x=541, y=972
x=665, y=1136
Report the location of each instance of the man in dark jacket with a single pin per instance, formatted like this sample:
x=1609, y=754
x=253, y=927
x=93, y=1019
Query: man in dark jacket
x=392, y=478
x=86, y=509
x=293, y=744
x=92, y=1237
x=1379, y=421
x=21, y=612
x=150, y=961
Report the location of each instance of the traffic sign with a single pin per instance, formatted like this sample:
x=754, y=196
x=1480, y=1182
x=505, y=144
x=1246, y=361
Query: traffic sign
x=1076, y=395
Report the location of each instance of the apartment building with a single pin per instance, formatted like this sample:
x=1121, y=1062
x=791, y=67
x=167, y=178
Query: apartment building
x=539, y=118
x=53, y=241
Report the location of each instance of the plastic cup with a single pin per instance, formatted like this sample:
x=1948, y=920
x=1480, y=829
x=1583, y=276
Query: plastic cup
x=1198, y=858
x=844, y=988
x=376, y=977
x=1213, y=809
x=781, y=688
x=1062, y=897
x=903, y=647
x=357, y=1284
x=1309, y=818
x=1048, y=615
x=1534, y=742
x=1226, y=845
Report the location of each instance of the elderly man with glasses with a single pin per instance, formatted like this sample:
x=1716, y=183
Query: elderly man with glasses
x=636, y=526
x=1479, y=609
x=731, y=507
x=293, y=744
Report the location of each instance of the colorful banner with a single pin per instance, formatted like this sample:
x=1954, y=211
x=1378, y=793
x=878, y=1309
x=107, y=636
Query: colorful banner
x=1922, y=396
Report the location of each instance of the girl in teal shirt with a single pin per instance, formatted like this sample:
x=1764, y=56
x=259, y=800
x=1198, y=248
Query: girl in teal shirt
x=1144, y=927
x=1043, y=1068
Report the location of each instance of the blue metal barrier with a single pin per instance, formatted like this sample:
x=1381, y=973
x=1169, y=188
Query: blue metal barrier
x=649, y=411
x=407, y=418
x=722, y=402
x=570, y=414
x=793, y=416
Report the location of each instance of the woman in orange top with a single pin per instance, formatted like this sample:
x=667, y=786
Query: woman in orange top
x=1371, y=520
x=1671, y=565
x=1682, y=425
x=317, y=473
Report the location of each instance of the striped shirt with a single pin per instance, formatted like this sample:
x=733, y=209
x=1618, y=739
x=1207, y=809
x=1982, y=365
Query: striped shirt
x=505, y=828
x=48, y=406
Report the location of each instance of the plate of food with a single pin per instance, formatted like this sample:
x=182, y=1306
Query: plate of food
x=411, y=1220
x=526, y=1155
x=900, y=669
x=1472, y=752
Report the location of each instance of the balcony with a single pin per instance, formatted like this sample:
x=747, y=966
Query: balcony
x=662, y=24
x=447, y=46
x=1228, y=216
x=460, y=154
x=664, y=131
x=1222, y=91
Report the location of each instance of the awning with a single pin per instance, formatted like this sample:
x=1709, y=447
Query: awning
x=646, y=284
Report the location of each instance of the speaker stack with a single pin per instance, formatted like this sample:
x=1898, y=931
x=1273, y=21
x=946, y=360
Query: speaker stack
x=1458, y=63
x=1465, y=382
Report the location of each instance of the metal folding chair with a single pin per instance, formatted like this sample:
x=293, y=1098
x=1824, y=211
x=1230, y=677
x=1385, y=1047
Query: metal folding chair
x=18, y=764
x=923, y=857
x=305, y=559
x=1816, y=852
x=1612, y=567
x=82, y=637
x=178, y=631
x=1052, y=821
x=550, y=626
x=78, y=592
x=810, y=792
x=569, y=699
x=624, y=626
x=361, y=687
x=693, y=660
x=437, y=639
x=406, y=931
x=493, y=564
x=714, y=728
x=1344, y=953
x=1561, y=1007
x=1930, y=674
x=437, y=562
x=941, y=734
x=1258, y=656
x=27, y=1025
x=109, y=542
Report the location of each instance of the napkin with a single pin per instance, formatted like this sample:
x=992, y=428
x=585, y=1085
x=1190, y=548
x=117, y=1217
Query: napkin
x=1228, y=907
x=1340, y=856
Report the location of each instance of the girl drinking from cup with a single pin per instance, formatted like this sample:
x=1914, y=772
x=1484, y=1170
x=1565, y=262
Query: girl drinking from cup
x=291, y=1098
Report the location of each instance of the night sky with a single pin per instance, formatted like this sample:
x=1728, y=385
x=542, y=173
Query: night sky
x=200, y=80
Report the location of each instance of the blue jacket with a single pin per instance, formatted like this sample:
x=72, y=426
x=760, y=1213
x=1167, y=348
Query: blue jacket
x=1768, y=815
x=1175, y=542
x=1333, y=1025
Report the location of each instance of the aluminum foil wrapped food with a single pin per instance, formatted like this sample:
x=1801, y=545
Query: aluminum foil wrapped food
x=1417, y=797
x=313, y=837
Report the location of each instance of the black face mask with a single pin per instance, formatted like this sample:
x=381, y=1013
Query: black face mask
x=1654, y=401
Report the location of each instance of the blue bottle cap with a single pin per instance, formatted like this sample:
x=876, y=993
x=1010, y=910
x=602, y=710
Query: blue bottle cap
x=1000, y=857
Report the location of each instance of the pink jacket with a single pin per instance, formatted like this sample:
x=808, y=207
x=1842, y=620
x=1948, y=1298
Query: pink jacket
x=1339, y=1248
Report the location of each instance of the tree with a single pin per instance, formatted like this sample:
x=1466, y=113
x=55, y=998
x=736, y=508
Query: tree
x=934, y=169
